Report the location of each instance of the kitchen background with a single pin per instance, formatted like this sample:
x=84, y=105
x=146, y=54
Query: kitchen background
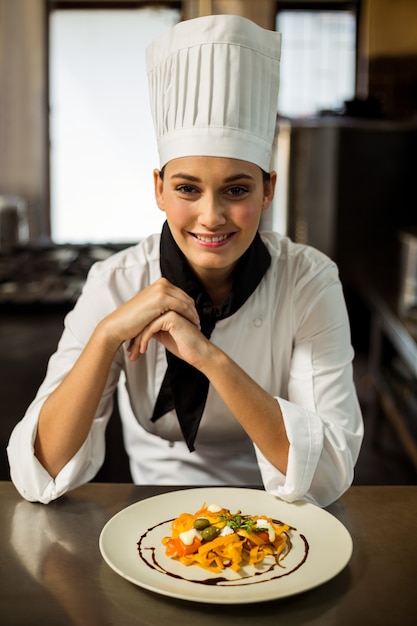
x=347, y=179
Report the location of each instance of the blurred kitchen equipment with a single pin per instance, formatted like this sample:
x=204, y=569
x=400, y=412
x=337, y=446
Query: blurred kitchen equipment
x=14, y=227
x=52, y=275
x=408, y=277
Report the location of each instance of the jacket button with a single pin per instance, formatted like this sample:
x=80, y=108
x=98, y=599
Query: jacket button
x=258, y=322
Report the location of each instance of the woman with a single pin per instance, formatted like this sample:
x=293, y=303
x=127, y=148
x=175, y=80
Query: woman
x=234, y=348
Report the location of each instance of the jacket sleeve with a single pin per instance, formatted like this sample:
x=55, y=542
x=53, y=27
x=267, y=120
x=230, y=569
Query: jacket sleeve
x=321, y=411
x=29, y=477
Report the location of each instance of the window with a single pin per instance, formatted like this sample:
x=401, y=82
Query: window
x=102, y=143
x=318, y=60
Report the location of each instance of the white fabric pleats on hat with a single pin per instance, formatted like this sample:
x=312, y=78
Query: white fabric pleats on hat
x=214, y=89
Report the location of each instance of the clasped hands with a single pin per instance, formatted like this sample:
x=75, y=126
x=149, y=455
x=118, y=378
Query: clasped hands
x=163, y=312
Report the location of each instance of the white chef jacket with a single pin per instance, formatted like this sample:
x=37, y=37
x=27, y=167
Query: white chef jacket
x=291, y=336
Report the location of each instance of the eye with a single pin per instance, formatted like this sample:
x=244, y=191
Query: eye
x=186, y=189
x=237, y=191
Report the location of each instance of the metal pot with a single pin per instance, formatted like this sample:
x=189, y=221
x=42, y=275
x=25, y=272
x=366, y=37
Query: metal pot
x=14, y=228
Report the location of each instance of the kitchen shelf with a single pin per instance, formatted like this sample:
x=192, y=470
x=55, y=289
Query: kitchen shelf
x=391, y=330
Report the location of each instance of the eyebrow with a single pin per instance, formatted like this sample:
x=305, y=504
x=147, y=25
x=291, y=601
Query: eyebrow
x=196, y=179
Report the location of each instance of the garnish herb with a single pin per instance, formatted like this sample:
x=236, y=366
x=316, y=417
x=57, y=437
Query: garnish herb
x=238, y=521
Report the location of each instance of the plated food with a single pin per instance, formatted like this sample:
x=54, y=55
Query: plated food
x=134, y=543
x=215, y=539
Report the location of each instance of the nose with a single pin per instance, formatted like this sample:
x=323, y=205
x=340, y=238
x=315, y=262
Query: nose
x=211, y=212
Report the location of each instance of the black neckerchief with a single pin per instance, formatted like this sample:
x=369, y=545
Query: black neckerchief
x=184, y=387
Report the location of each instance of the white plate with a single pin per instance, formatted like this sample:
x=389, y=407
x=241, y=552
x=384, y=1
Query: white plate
x=321, y=547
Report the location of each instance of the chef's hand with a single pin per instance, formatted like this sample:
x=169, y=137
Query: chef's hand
x=128, y=321
x=179, y=335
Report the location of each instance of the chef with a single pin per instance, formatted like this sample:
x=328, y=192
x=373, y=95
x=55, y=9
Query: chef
x=229, y=347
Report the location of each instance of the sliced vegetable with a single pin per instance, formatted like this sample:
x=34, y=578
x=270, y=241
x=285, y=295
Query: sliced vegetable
x=176, y=548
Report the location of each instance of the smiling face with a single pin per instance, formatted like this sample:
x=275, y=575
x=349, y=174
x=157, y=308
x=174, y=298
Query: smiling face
x=213, y=206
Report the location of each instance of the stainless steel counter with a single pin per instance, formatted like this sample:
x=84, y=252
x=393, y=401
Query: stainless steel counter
x=52, y=572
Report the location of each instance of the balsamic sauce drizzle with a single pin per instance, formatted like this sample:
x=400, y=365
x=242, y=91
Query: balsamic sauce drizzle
x=219, y=580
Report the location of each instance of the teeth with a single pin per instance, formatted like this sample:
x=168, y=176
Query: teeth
x=212, y=239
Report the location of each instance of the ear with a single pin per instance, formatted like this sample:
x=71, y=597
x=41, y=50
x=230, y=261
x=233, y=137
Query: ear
x=269, y=190
x=159, y=189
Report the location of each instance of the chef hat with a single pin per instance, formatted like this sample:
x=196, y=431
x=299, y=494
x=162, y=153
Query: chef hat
x=214, y=89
